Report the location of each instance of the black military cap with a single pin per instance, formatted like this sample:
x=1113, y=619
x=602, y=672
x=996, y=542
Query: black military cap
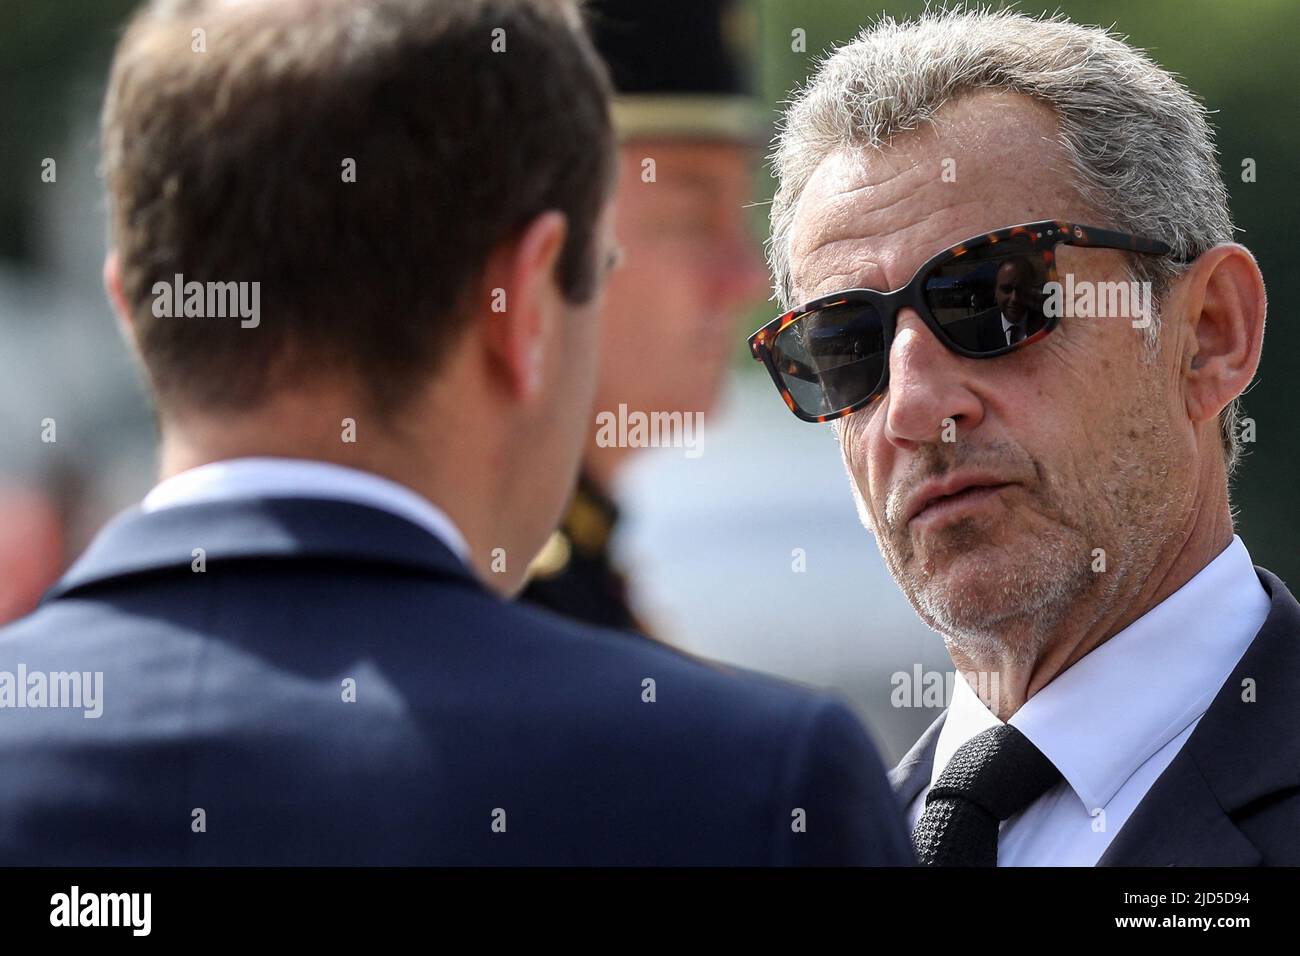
x=681, y=68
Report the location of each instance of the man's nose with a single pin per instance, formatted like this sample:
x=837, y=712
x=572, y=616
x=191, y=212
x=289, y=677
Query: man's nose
x=929, y=398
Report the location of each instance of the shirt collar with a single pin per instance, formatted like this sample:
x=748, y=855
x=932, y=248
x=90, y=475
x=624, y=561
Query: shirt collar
x=302, y=478
x=1105, y=716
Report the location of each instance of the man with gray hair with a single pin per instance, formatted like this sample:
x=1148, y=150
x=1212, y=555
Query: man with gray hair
x=1052, y=499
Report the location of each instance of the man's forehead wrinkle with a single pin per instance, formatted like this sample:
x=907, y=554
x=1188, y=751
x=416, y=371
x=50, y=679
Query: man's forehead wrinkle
x=884, y=258
x=839, y=240
x=862, y=226
x=830, y=254
x=887, y=260
x=854, y=260
x=836, y=282
x=840, y=215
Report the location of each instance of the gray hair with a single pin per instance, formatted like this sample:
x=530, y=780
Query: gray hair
x=1138, y=142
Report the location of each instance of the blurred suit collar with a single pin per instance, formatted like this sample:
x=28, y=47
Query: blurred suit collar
x=913, y=772
x=140, y=542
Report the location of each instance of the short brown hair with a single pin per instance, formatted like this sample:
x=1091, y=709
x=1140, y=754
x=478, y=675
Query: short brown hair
x=226, y=164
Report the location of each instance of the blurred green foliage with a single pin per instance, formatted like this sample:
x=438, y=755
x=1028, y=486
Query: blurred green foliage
x=45, y=47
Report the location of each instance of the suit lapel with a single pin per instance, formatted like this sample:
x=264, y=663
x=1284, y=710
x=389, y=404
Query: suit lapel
x=1180, y=823
x=913, y=771
x=1244, y=749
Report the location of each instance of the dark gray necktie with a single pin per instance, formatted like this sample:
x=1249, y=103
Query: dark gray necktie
x=1015, y=333
x=991, y=777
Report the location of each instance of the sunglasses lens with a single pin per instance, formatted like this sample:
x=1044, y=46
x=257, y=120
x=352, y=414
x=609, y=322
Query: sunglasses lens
x=991, y=298
x=832, y=358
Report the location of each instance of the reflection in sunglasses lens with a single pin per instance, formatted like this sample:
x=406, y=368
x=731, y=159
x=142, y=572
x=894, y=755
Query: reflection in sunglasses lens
x=832, y=358
x=991, y=298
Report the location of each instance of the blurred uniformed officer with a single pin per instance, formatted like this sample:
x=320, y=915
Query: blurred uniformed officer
x=690, y=132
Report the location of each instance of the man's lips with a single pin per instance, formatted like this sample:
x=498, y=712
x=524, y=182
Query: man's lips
x=946, y=497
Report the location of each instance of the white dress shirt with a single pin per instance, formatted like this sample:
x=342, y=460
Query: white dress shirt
x=303, y=478
x=1113, y=721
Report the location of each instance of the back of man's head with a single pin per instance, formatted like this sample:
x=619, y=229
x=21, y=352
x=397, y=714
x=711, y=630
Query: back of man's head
x=358, y=160
x=369, y=232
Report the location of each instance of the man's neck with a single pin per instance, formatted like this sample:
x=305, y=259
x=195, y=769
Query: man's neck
x=445, y=480
x=1083, y=625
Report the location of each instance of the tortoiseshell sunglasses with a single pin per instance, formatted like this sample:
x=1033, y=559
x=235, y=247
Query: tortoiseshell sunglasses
x=981, y=298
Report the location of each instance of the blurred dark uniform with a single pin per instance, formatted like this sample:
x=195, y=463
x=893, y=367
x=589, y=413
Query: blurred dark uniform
x=680, y=70
x=573, y=574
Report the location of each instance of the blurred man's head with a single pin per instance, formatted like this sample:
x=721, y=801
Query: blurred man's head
x=428, y=226
x=689, y=134
x=689, y=265
x=1100, y=435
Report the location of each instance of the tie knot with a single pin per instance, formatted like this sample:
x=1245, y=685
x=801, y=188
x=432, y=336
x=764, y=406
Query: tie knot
x=999, y=770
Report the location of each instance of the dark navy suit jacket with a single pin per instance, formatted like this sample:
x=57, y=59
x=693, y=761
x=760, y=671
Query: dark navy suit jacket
x=1231, y=796
x=482, y=731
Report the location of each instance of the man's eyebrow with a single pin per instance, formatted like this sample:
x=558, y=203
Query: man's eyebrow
x=851, y=272
x=845, y=280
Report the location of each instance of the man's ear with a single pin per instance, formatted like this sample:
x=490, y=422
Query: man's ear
x=522, y=302
x=113, y=286
x=1225, y=305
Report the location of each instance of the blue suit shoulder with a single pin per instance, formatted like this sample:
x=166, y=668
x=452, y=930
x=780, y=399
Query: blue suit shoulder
x=796, y=757
x=368, y=702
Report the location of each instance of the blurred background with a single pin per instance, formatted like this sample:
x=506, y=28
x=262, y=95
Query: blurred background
x=709, y=543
